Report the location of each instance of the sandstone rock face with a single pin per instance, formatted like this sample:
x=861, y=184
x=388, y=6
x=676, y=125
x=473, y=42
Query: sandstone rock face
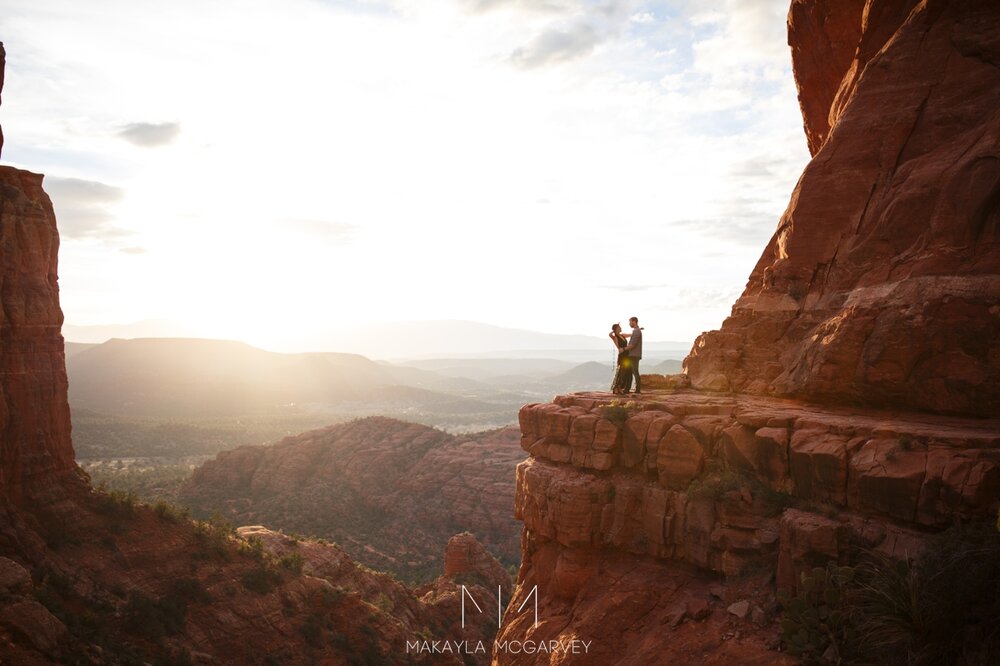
x=465, y=557
x=391, y=493
x=684, y=481
x=628, y=610
x=35, y=623
x=750, y=453
x=881, y=285
x=36, y=453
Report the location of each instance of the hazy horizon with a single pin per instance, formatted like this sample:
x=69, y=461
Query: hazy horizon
x=401, y=341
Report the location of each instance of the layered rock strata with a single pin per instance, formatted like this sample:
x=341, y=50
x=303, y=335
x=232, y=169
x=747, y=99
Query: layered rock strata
x=729, y=486
x=705, y=479
x=881, y=285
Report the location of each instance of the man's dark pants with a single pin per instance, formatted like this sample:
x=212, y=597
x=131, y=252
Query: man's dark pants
x=633, y=365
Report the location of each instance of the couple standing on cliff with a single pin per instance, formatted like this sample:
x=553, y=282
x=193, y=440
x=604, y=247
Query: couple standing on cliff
x=629, y=346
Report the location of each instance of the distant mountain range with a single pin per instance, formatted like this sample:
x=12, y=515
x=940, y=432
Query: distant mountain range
x=415, y=340
x=196, y=379
x=170, y=377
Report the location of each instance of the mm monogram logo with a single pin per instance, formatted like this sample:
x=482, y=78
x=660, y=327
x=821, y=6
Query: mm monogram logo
x=468, y=595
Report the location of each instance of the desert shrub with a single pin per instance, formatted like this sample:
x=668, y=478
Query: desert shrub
x=383, y=602
x=116, y=503
x=152, y=618
x=333, y=595
x=171, y=512
x=714, y=484
x=314, y=628
x=189, y=590
x=942, y=609
x=617, y=412
x=214, y=536
x=369, y=655
x=59, y=533
x=817, y=623
x=717, y=480
x=261, y=579
x=293, y=562
x=156, y=618
x=252, y=547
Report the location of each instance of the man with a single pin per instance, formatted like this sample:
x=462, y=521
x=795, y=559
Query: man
x=634, y=352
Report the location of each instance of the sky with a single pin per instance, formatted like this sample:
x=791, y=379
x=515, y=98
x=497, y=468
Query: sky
x=267, y=171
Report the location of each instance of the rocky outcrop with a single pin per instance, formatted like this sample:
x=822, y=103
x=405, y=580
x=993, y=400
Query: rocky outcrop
x=694, y=486
x=466, y=558
x=36, y=453
x=129, y=584
x=881, y=285
x=391, y=493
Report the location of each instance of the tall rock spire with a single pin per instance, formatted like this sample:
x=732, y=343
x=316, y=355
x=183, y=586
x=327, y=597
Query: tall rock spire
x=36, y=453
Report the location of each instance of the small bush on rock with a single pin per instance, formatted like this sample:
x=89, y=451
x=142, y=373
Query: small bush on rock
x=817, y=622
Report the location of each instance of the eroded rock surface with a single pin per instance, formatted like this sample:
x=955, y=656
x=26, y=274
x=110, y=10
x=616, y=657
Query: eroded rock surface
x=698, y=487
x=881, y=285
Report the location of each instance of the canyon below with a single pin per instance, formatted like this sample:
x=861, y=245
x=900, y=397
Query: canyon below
x=818, y=482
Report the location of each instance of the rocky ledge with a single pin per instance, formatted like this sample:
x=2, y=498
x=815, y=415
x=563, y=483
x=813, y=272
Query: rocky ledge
x=730, y=486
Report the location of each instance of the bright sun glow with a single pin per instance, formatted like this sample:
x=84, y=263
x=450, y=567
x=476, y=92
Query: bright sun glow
x=270, y=171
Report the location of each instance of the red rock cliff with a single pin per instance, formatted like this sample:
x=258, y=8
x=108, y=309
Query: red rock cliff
x=35, y=446
x=881, y=284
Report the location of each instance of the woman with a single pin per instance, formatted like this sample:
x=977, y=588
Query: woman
x=623, y=372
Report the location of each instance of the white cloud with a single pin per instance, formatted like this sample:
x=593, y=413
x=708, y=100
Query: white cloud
x=84, y=207
x=150, y=135
x=557, y=45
